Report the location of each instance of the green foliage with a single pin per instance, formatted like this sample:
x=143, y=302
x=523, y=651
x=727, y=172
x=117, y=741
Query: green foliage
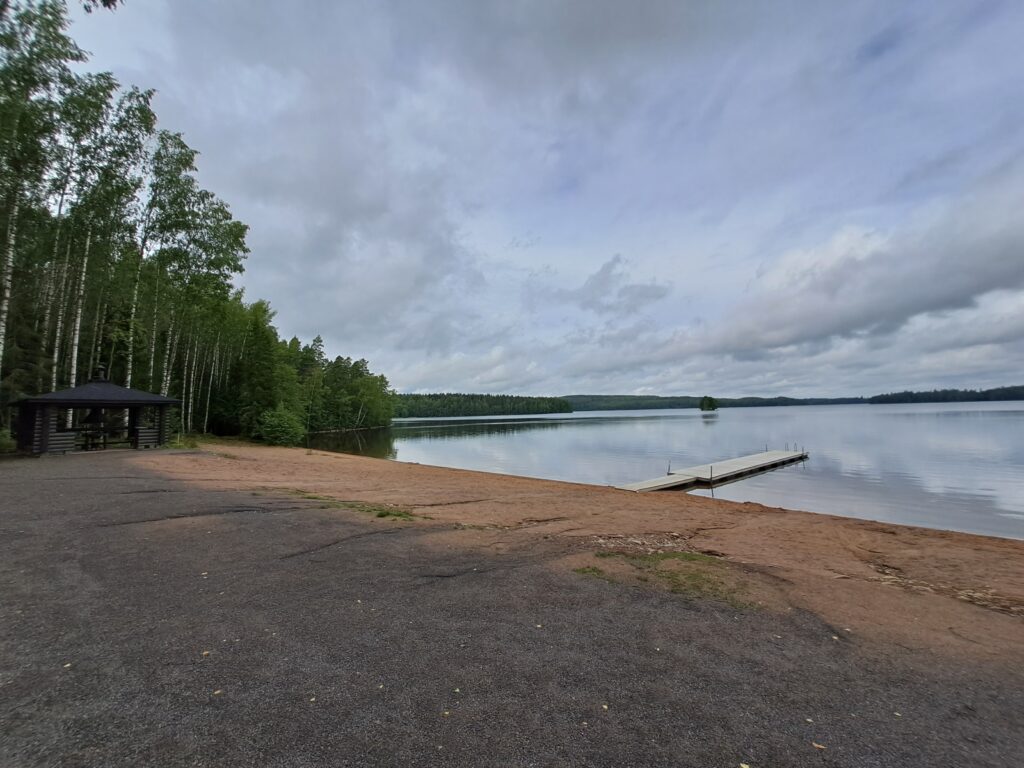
x=351, y=397
x=687, y=573
x=7, y=444
x=92, y=5
x=395, y=513
x=952, y=396
x=281, y=427
x=453, y=404
x=708, y=403
x=183, y=441
x=590, y=570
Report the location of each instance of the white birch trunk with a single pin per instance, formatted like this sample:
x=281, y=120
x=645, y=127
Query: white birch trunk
x=44, y=300
x=58, y=340
x=197, y=375
x=7, y=273
x=152, y=335
x=183, y=413
x=51, y=283
x=130, y=359
x=209, y=386
x=76, y=332
x=167, y=357
x=97, y=331
x=169, y=362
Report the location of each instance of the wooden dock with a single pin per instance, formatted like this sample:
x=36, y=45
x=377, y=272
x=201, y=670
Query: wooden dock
x=719, y=473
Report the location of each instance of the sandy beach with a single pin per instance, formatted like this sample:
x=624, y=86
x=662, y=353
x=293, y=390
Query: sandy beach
x=922, y=588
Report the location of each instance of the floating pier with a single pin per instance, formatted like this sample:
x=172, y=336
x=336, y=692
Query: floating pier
x=718, y=473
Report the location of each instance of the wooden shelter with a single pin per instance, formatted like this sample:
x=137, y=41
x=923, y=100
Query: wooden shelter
x=53, y=423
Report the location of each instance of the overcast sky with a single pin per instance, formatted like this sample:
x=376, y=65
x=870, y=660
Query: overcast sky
x=602, y=196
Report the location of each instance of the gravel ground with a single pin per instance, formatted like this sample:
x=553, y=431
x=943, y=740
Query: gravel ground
x=148, y=622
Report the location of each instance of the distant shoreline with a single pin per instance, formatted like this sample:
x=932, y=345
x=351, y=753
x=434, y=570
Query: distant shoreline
x=647, y=402
x=461, y=405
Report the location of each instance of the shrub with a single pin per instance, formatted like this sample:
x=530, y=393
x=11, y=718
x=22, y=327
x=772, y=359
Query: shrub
x=281, y=427
x=7, y=444
x=183, y=441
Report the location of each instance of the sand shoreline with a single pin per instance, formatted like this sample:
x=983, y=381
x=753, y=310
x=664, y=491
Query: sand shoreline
x=925, y=589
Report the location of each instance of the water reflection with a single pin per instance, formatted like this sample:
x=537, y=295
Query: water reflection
x=457, y=430
x=378, y=443
x=957, y=466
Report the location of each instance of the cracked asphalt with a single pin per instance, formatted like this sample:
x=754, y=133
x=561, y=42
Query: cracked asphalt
x=147, y=622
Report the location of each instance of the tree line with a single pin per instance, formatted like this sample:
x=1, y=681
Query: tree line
x=114, y=255
x=648, y=402
x=952, y=395
x=456, y=404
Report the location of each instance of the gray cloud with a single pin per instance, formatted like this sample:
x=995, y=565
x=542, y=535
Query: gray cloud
x=860, y=284
x=609, y=292
x=831, y=188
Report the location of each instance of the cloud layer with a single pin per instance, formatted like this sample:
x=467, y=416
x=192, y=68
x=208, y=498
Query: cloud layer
x=663, y=197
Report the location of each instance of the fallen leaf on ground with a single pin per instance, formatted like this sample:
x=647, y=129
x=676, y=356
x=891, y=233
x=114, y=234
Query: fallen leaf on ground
x=816, y=745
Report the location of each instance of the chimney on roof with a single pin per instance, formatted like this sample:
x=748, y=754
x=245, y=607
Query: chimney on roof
x=101, y=374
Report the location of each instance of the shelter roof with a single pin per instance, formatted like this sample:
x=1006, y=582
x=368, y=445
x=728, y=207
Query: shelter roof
x=99, y=393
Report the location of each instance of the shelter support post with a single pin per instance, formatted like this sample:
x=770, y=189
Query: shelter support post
x=161, y=425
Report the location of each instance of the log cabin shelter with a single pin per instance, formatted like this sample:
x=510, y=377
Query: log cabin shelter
x=92, y=417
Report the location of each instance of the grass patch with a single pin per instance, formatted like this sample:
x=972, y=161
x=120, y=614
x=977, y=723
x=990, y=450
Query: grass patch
x=379, y=510
x=400, y=514
x=376, y=510
x=591, y=570
x=183, y=441
x=657, y=557
x=327, y=501
x=209, y=439
x=685, y=573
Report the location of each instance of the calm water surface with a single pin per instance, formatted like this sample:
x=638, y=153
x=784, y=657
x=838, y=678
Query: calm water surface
x=954, y=466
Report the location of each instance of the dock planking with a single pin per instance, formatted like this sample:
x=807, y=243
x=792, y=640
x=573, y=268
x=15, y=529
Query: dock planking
x=719, y=472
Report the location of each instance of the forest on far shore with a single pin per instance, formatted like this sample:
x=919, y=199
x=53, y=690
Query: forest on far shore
x=952, y=396
x=114, y=255
x=455, y=404
x=645, y=402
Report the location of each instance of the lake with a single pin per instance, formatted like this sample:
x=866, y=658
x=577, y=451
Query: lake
x=956, y=466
